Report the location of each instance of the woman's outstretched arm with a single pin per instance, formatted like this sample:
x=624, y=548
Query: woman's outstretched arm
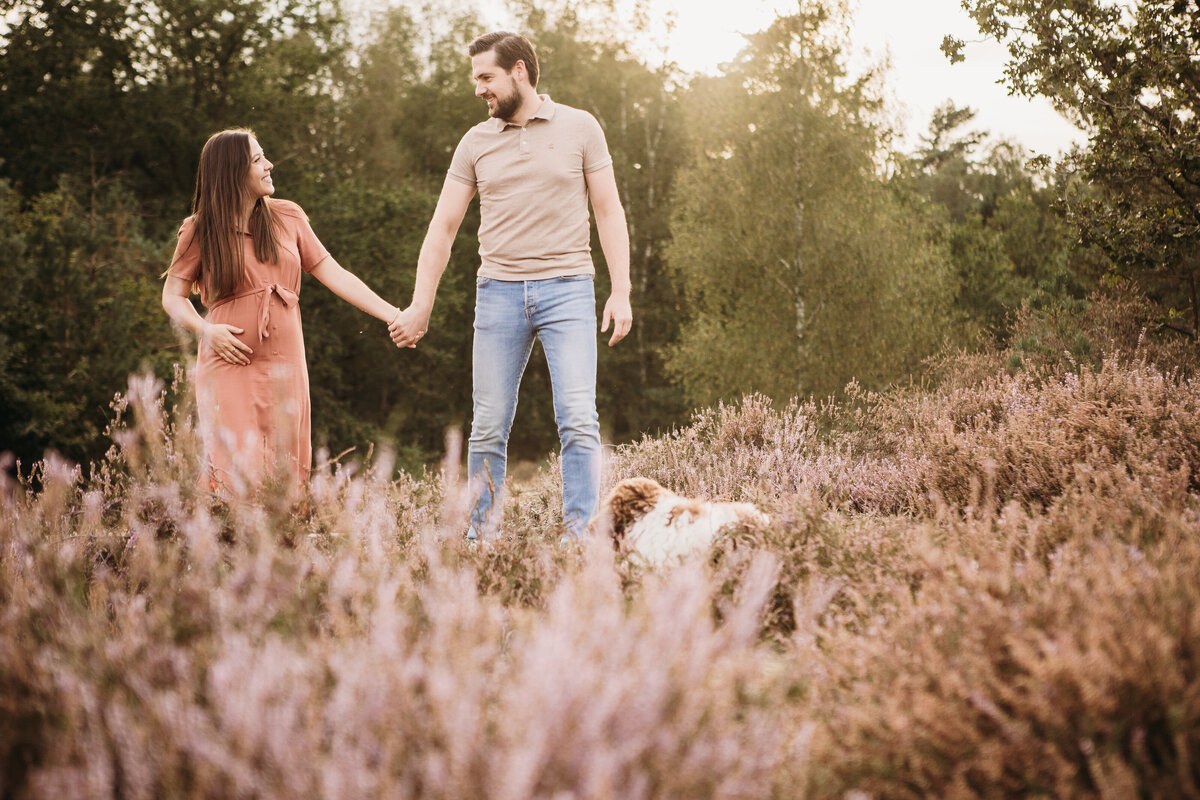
x=349, y=287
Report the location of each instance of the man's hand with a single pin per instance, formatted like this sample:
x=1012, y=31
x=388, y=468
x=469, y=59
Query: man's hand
x=409, y=326
x=617, y=311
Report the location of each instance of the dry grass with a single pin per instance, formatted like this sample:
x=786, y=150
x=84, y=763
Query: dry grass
x=986, y=589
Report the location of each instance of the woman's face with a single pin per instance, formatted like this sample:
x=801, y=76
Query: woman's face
x=258, y=177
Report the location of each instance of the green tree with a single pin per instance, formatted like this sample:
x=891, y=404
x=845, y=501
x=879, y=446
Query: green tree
x=98, y=88
x=408, y=97
x=995, y=210
x=801, y=269
x=1129, y=75
x=79, y=313
x=64, y=72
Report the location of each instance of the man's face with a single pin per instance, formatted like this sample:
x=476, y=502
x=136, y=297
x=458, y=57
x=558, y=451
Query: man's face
x=496, y=86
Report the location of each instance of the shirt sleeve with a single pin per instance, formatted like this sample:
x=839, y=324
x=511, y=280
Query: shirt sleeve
x=312, y=252
x=462, y=166
x=185, y=263
x=595, y=146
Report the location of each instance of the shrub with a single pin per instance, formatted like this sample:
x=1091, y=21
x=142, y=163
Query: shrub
x=982, y=589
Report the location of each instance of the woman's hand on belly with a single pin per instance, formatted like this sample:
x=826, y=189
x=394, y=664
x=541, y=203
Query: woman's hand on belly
x=223, y=341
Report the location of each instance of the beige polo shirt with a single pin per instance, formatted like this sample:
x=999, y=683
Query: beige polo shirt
x=534, y=219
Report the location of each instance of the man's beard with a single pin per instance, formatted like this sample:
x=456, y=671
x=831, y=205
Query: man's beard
x=506, y=106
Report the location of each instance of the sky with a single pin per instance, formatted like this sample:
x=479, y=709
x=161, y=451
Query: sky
x=908, y=32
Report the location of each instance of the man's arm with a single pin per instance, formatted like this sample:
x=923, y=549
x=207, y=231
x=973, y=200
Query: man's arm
x=413, y=321
x=614, y=241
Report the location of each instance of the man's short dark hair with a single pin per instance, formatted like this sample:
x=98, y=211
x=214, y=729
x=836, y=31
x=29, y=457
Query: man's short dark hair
x=509, y=49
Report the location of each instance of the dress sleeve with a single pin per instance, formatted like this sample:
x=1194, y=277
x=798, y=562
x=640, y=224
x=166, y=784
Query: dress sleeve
x=312, y=252
x=185, y=264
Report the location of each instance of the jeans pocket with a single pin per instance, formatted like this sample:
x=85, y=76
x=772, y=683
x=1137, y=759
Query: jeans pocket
x=574, y=278
x=481, y=281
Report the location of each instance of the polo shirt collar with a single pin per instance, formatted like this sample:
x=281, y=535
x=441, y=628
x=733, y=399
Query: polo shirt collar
x=545, y=111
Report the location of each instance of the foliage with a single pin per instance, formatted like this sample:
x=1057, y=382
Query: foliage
x=1127, y=74
x=363, y=390
x=991, y=642
x=1072, y=387
x=152, y=80
x=800, y=269
x=996, y=214
x=361, y=128
x=63, y=71
x=408, y=97
x=79, y=304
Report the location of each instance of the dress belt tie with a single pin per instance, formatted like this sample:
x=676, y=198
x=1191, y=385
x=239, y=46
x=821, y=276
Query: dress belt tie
x=285, y=295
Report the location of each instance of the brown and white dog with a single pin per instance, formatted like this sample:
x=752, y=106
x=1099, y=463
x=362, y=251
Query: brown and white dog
x=659, y=527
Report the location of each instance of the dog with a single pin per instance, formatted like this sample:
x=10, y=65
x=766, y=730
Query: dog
x=658, y=527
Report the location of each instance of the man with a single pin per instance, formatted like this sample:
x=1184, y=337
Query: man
x=534, y=163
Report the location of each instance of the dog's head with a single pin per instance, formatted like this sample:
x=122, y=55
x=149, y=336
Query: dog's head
x=628, y=501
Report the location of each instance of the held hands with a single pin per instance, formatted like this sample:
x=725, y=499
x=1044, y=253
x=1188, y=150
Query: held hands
x=410, y=324
x=222, y=339
x=408, y=327
x=617, y=310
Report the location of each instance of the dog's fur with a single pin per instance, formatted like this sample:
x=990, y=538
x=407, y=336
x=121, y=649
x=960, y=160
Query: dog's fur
x=659, y=527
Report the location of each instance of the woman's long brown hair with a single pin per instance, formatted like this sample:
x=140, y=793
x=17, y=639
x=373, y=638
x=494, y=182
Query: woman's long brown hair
x=217, y=205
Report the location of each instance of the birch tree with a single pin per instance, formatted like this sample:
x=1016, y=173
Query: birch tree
x=801, y=270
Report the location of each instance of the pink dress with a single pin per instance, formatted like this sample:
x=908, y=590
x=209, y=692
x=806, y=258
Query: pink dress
x=255, y=419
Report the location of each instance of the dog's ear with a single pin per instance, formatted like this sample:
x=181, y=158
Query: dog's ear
x=630, y=500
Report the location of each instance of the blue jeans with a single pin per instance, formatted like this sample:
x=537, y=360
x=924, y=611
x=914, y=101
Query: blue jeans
x=509, y=315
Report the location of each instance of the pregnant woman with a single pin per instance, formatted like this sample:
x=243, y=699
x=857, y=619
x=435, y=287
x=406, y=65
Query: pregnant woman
x=245, y=251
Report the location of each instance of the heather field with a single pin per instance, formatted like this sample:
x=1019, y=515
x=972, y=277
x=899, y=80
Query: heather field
x=984, y=585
